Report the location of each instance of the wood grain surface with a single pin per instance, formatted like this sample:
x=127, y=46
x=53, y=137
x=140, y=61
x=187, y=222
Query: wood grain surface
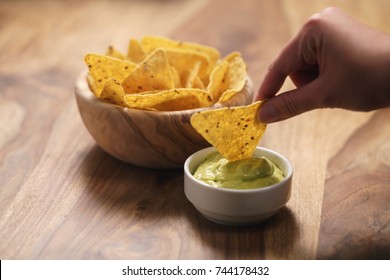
x=62, y=197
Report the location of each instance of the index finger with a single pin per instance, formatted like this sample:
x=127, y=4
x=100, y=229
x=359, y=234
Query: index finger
x=294, y=57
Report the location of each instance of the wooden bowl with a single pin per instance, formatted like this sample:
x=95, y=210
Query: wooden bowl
x=145, y=138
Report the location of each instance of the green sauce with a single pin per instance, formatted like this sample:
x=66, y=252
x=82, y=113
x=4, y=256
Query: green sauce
x=241, y=174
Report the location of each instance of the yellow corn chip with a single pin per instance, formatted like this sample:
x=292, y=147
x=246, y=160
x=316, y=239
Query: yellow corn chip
x=170, y=100
x=234, y=132
x=111, y=51
x=102, y=68
x=176, y=77
x=154, y=73
x=235, y=76
x=198, y=83
x=113, y=93
x=150, y=43
x=135, y=52
x=183, y=60
x=218, y=80
x=192, y=75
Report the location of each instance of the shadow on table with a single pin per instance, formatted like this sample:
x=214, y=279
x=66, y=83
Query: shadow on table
x=272, y=239
x=155, y=199
x=140, y=193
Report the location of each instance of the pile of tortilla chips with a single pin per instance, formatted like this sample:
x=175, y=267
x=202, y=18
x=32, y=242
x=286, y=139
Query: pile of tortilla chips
x=165, y=75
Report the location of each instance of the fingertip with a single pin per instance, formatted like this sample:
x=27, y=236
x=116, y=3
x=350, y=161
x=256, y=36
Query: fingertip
x=291, y=103
x=267, y=113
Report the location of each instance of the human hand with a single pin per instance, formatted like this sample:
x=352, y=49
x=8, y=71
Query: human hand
x=335, y=62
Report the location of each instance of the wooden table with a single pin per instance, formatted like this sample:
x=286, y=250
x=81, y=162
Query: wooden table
x=62, y=197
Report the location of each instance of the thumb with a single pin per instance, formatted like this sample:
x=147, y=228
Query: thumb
x=291, y=103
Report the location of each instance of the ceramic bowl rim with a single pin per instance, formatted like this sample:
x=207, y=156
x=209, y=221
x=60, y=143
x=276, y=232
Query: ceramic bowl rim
x=209, y=150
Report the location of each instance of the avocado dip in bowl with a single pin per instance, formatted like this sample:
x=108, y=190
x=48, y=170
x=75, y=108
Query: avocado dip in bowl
x=237, y=193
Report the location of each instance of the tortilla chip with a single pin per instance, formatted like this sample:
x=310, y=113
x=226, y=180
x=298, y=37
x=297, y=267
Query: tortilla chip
x=135, y=52
x=192, y=75
x=113, y=93
x=112, y=52
x=234, y=132
x=198, y=83
x=183, y=60
x=150, y=43
x=154, y=73
x=176, y=77
x=102, y=68
x=170, y=100
x=218, y=80
x=235, y=76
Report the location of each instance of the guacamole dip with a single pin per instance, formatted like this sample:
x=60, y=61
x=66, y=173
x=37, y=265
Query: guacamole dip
x=241, y=174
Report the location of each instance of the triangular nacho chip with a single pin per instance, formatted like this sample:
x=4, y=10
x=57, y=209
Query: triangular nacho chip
x=192, y=75
x=102, y=68
x=150, y=43
x=184, y=60
x=235, y=76
x=135, y=52
x=113, y=93
x=112, y=52
x=218, y=80
x=154, y=73
x=234, y=132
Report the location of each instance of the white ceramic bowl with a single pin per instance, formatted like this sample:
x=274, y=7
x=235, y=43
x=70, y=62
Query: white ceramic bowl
x=234, y=206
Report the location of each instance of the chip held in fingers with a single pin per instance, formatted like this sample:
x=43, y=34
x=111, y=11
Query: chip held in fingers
x=234, y=132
